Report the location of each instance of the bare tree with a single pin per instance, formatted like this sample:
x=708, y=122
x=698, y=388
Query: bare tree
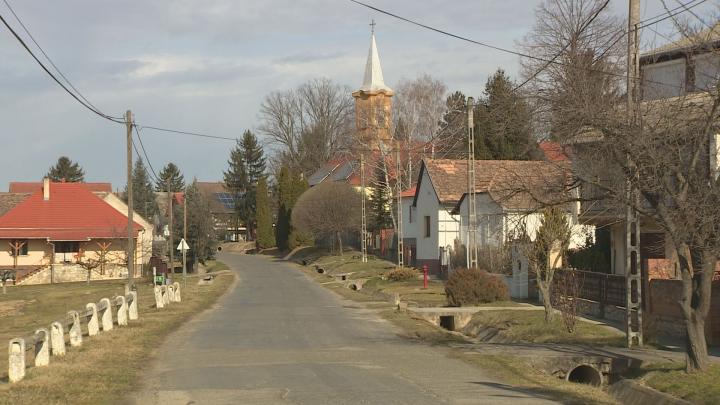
x=310, y=124
x=418, y=107
x=328, y=210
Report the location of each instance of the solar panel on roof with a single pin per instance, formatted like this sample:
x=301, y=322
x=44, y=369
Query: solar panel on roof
x=226, y=199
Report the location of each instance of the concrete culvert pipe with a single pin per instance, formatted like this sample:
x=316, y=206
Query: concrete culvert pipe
x=320, y=270
x=219, y=248
x=355, y=286
x=585, y=374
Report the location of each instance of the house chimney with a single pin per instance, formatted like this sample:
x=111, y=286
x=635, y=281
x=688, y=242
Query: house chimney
x=46, y=189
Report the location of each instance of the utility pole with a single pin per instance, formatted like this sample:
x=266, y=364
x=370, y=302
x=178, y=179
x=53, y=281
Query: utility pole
x=633, y=271
x=398, y=183
x=184, y=251
x=363, y=232
x=130, y=238
x=472, y=254
x=172, y=245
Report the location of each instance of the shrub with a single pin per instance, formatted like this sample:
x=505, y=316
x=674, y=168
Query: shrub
x=473, y=286
x=402, y=274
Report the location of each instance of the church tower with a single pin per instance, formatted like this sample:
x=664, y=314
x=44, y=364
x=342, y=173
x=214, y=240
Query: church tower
x=373, y=104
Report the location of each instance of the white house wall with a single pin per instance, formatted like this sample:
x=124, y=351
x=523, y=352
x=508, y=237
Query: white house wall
x=444, y=228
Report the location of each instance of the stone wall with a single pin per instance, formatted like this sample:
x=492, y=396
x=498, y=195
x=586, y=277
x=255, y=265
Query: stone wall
x=68, y=273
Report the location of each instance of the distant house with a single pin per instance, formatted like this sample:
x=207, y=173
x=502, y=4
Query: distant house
x=508, y=196
x=61, y=232
x=222, y=209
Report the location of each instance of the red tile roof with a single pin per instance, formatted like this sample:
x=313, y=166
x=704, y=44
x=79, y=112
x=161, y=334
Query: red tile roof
x=72, y=213
x=33, y=186
x=409, y=192
x=554, y=152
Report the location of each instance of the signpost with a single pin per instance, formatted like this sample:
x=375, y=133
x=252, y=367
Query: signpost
x=183, y=247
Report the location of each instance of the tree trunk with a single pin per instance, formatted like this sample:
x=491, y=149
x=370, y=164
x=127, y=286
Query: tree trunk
x=695, y=305
x=340, y=245
x=544, y=288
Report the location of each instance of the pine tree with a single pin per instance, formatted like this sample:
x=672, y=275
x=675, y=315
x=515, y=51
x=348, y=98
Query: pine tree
x=285, y=194
x=452, y=128
x=246, y=167
x=200, y=227
x=265, y=236
x=143, y=195
x=380, y=203
x=66, y=170
x=170, y=179
x=503, y=128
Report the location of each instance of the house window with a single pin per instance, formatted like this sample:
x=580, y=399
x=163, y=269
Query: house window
x=427, y=226
x=67, y=247
x=19, y=247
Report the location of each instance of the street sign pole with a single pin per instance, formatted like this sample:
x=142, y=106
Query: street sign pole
x=183, y=247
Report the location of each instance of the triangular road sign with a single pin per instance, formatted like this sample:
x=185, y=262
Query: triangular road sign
x=183, y=245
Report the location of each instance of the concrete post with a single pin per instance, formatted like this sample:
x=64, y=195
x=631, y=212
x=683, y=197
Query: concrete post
x=57, y=339
x=75, y=331
x=171, y=293
x=42, y=349
x=122, y=312
x=177, y=292
x=93, y=324
x=133, y=309
x=106, y=319
x=16, y=360
x=159, y=302
x=165, y=295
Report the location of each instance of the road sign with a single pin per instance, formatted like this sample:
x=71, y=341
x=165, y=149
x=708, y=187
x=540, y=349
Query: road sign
x=183, y=245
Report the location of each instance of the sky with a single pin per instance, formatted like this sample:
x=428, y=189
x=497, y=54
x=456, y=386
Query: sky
x=205, y=66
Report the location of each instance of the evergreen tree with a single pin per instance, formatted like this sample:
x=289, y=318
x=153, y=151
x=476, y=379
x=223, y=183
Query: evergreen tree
x=246, y=167
x=144, y=202
x=297, y=236
x=503, y=128
x=66, y=170
x=265, y=236
x=380, y=203
x=170, y=179
x=452, y=129
x=200, y=227
x=284, y=195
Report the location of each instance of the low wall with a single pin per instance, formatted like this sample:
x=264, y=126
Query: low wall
x=68, y=273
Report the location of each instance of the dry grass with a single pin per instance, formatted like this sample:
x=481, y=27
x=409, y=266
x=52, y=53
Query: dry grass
x=530, y=327
x=213, y=266
x=698, y=388
x=109, y=366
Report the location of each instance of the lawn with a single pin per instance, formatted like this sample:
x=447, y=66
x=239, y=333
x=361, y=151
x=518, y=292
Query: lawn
x=213, y=266
x=530, y=327
x=107, y=367
x=700, y=388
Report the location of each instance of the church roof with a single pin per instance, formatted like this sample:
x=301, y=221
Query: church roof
x=373, y=80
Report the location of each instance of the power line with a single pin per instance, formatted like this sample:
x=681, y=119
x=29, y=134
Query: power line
x=189, y=133
x=57, y=69
x=147, y=159
x=83, y=103
x=505, y=50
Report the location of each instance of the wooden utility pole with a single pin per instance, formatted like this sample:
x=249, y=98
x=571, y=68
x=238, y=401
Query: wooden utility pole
x=633, y=271
x=131, y=237
x=398, y=181
x=170, y=227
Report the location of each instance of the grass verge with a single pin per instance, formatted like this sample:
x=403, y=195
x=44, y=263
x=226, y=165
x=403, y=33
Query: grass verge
x=107, y=367
x=671, y=378
x=213, y=266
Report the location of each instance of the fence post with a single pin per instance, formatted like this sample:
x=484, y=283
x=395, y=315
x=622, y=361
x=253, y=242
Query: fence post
x=178, y=298
x=159, y=302
x=165, y=295
x=171, y=293
x=425, y=276
x=93, y=324
x=122, y=312
x=57, y=339
x=16, y=360
x=133, y=309
x=42, y=351
x=603, y=295
x=75, y=331
x=106, y=318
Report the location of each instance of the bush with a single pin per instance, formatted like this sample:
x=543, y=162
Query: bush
x=473, y=286
x=402, y=274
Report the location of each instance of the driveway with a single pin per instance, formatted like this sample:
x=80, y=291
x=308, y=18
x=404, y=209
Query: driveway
x=279, y=338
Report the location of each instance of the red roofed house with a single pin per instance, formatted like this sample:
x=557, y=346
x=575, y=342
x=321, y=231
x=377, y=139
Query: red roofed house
x=64, y=232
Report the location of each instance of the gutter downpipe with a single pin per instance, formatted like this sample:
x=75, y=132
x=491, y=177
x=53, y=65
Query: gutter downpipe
x=52, y=262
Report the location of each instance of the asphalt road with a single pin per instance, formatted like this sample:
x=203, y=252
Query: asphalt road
x=279, y=338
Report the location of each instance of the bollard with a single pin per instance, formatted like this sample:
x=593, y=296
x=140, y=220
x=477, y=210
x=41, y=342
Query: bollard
x=171, y=293
x=106, y=319
x=425, y=277
x=159, y=302
x=93, y=324
x=16, y=360
x=42, y=351
x=57, y=339
x=122, y=312
x=177, y=292
x=75, y=331
x=133, y=309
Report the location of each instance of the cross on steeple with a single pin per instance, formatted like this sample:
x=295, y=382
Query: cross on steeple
x=372, y=26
